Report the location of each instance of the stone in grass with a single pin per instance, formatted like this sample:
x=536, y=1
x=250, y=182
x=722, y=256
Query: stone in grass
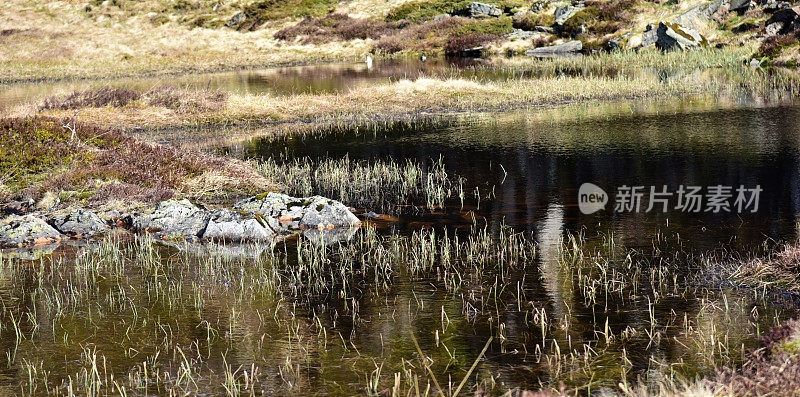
x=674, y=36
x=228, y=225
x=19, y=231
x=79, y=223
x=553, y=50
x=173, y=219
x=285, y=213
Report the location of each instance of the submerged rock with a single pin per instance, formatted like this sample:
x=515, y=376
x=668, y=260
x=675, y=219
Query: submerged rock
x=19, y=231
x=230, y=225
x=174, y=219
x=568, y=47
x=284, y=212
x=674, y=36
x=80, y=223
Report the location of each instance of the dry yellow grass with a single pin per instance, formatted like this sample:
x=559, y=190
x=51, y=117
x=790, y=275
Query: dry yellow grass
x=56, y=39
x=399, y=98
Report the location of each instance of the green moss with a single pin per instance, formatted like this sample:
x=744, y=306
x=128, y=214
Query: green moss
x=421, y=10
x=485, y=26
x=791, y=347
x=279, y=9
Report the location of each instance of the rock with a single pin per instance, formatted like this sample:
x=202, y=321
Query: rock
x=540, y=5
x=774, y=28
x=702, y=12
x=79, y=223
x=520, y=34
x=230, y=225
x=545, y=29
x=174, y=219
x=773, y=6
x=441, y=16
x=19, y=231
x=755, y=63
x=236, y=19
x=562, y=13
x=479, y=10
x=673, y=36
x=285, y=212
x=568, y=47
x=649, y=37
x=741, y=5
x=785, y=21
x=17, y=207
x=614, y=44
x=31, y=253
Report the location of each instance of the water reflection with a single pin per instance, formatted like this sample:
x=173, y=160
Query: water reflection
x=527, y=164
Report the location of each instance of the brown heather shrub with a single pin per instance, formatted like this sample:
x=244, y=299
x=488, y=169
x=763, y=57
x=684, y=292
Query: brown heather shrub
x=434, y=36
x=111, y=164
x=185, y=100
x=91, y=98
x=337, y=26
x=771, y=46
x=770, y=370
x=461, y=43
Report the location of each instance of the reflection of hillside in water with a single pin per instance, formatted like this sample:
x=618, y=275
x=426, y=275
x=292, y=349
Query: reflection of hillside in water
x=542, y=158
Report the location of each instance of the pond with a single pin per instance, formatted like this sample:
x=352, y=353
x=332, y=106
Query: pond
x=515, y=274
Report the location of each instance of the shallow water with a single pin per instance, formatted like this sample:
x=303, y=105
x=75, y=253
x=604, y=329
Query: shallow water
x=630, y=309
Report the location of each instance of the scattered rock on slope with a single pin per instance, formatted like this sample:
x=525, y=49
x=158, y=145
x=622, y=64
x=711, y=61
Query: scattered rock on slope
x=674, y=36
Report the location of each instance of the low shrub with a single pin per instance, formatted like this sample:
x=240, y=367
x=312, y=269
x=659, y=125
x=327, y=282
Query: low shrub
x=337, y=27
x=457, y=44
x=185, y=100
x=91, y=98
x=420, y=10
x=262, y=11
x=529, y=20
x=437, y=36
x=39, y=154
x=772, y=46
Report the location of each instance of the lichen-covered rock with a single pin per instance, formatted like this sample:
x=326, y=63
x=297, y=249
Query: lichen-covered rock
x=174, y=219
x=479, y=10
x=568, y=47
x=565, y=12
x=285, y=212
x=79, y=223
x=230, y=225
x=19, y=231
x=674, y=36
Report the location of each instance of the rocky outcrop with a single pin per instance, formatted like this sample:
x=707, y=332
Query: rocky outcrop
x=286, y=212
x=559, y=49
x=18, y=231
x=674, y=36
x=741, y=5
x=174, y=218
x=79, y=223
x=479, y=10
x=236, y=19
x=230, y=225
x=783, y=21
x=562, y=13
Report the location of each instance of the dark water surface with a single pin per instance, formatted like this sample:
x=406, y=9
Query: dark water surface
x=532, y=165
x=625, y=307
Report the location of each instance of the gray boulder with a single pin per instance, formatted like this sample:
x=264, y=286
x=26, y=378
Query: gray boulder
x=540, y=5
x=741, y=5
x=553, y=50
x=173, y=219
x=79, y=223
x=520, y=34
x=230, y=225
x=236, y=19
x=479, y=10
x=673, y=36
x=562, y=13
x=19, y=231
x=285, y=212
